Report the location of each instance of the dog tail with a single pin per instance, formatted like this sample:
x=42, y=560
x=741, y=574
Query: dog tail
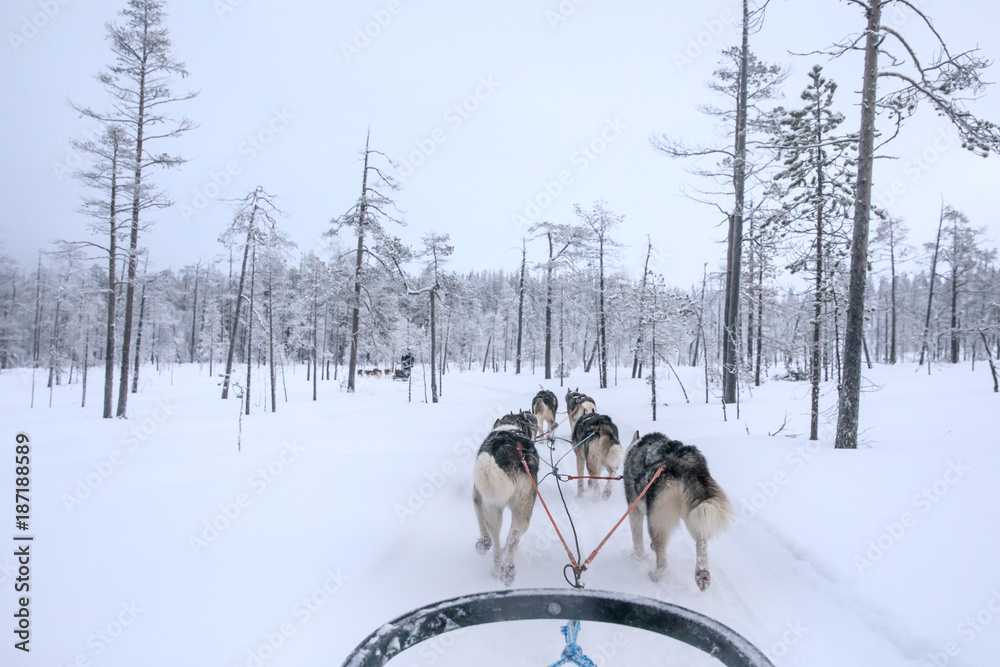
x=712, y=515
x=496, y=485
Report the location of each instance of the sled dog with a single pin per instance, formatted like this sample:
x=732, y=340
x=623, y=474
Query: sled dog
x=500, y=481
x=577, y=405
x=544, y=406
x=684, y=490
x=522, y=421
x=595, y=441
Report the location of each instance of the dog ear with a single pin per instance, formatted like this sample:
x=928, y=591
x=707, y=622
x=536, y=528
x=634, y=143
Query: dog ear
x=496, y=424
x=635, y=438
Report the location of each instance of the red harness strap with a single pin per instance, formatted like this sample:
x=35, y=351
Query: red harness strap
x=630, y=508
x=577, y=568
x=572, y=560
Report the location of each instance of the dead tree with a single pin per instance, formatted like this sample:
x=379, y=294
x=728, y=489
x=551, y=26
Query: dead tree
x=366, y=217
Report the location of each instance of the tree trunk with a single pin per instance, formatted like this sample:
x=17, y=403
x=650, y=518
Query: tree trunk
x=194, y=314
x=109, y=341
x=356, y=313
x=520, y=316
x=603, y=320
x=138, y=339
x=253, y=270
x=760, y=320
x=818, y=294
x=850, y=393
x=133, y=252
x=924, y=347
x=548, y=311
x=892, y=305
x=730, y=341
x=636, y=372
x=652, y=364
x=434, y=388
x=562, y=362
x=444, y=355
x=270, y=336
x=989, y=357
x=239, y=299
x=315, y=332
x=954, y=297
x=486, y=356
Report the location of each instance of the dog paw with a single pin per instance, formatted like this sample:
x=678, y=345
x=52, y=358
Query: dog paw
x=606, y=493
x=658, y=574
x=507, y=574
x=483, y=544
x=639, y=555
x=702, y=578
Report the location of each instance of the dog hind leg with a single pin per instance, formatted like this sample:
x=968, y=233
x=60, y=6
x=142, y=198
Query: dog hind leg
x=635, y=521
x=493, y=518
x=663, y=517
x=701, y=574
x=521, y=506
x=485, y=541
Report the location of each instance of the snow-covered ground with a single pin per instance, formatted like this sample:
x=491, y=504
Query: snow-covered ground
x=158, y=543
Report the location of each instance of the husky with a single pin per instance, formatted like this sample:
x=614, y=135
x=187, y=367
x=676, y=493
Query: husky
x=500, y=481
x=544, y=406
x=523, y=421
x=684, y=490
x=577, y=405
x=595, y=441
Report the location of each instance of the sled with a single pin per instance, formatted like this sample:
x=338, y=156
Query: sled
x=690, y=627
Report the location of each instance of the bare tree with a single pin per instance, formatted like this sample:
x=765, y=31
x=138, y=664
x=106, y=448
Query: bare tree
x=138, y=84
x=108, y=154
x=254, y=216
x=746, y=85
x=366, y=216
x=520, y=307
x=947, y=81
x=561, y=240
x=600, y=222
x=891, y=237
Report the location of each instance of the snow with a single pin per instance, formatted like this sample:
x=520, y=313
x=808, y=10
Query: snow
x=341, y=515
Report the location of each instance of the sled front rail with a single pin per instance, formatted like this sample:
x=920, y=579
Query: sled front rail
x=643, y=613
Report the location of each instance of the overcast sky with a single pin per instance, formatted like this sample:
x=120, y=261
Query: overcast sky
x=485, y=105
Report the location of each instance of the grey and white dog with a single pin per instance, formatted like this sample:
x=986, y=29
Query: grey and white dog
x=500, y=481
x=684, y=490
x=577, y=405
x=544, y=406
x=595, y=442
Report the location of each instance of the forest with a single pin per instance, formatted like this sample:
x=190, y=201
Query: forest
x=804, y=286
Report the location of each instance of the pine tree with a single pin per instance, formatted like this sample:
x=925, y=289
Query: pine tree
x=816, y=173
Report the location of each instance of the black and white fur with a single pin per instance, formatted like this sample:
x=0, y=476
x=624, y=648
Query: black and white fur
x=577, y=405
x=684, y=490
x=544, y=406
x=522, y=421
x=500, y=481
x=600, y=450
